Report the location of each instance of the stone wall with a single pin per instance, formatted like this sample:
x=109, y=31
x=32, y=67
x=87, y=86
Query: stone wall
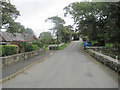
x=106, y=60
x=7, y=60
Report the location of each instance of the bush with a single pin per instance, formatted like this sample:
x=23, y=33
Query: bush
x=62, y=47
x=35, y=47
x=38, y=43
x=46, y=45
x=8, y=50
x=52, y=42
x=57, y=42
x=31, y=47
x=21, y=44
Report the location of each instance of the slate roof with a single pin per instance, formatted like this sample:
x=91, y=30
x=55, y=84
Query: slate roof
x=16, y=36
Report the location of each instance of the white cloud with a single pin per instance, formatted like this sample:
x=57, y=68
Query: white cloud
x=35, y=12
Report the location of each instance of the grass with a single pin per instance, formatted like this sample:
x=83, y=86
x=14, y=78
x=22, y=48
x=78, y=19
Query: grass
x=64, y=46
x=47, y=49
x=59, y=48
x=109, y=45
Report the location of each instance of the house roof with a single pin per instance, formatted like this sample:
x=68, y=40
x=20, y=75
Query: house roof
x=16, y=36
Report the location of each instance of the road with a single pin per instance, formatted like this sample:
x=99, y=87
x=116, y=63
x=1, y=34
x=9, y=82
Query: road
x=11, y=69
x=68, y=68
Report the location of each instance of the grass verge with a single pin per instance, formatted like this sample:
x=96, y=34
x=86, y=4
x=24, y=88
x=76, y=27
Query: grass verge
x=63, y=46
x=47, y=49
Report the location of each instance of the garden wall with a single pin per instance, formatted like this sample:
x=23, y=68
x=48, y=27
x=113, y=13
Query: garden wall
x=106, y=60
x=7, y=60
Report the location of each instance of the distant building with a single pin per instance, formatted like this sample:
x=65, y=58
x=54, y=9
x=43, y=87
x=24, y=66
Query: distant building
x=7, y=38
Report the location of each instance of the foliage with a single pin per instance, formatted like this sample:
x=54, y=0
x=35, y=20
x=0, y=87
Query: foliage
x=58, y=25
x=46, y=37
x=54, y=41
x=28, y=31
x=38, y=43
x=21, y=44
x=26, y=46
x=17, y=27
x=63, y=46
x=56, y=20
x=109, y=51
x=59, y=41
x=97, y=20
x=8, y=50
x=31, y=47
x=63, y=33
x=9, y=14
x=47, y=48
x=35, y=47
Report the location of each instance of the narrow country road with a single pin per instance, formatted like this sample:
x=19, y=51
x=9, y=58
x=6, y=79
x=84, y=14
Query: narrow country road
x=68, y=68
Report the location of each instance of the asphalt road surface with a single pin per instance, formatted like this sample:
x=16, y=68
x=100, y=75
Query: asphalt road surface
x=68, y=68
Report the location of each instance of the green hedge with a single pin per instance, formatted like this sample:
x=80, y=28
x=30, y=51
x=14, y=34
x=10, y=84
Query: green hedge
x=35, y=47
x=38, y=43
x=6, y=50
x=31, y=47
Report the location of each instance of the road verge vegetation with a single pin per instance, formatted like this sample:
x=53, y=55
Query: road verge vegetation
x=7, y=50
x=63, y=46
x=54, y=47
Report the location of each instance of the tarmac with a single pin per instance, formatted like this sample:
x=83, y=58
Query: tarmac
x=12, y=70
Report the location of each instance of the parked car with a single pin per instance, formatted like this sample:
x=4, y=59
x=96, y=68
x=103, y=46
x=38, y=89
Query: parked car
x=87, y=44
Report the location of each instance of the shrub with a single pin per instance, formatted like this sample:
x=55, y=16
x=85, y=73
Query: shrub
x=52, y=42
x=35, y=47
x=57, y=42
x=62, y=47
x=21, y=44
x=31, y=47
x=46, y=45
x=8, y=50
x=38, y=43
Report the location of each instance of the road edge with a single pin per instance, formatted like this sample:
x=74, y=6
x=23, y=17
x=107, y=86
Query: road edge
x=115, y=74
x=25, y=68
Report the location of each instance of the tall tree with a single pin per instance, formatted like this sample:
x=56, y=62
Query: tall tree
x=28, y=31
x=9, y=14
x=97, y=20
x=45, y=37
x=69, y=31
x=58, y=24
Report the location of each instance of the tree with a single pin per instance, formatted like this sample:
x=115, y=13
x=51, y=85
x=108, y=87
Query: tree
x=70, y=30
x=97, y=20
x=9, y=14
x=45, y=37
x=58, y=25
x=28, y=31
x=16, y=27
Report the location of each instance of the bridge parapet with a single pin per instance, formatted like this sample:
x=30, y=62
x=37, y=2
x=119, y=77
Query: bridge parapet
x=106, y=60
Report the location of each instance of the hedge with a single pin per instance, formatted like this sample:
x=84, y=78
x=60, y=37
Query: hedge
x=31, y=47
x=38, y=43
x=6, y=50
x=35, y=47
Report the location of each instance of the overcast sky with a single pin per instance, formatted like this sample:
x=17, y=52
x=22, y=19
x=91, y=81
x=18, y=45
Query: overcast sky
x=35, y=12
